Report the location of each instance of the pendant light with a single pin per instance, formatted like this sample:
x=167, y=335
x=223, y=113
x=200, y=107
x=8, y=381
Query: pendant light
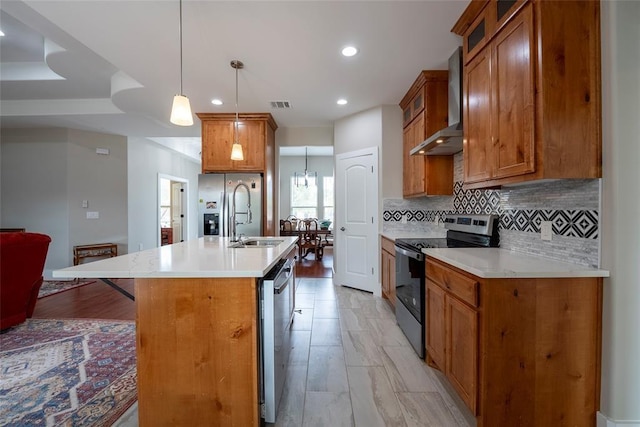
x=307, y=175
x=236, y=149
x=181, y=109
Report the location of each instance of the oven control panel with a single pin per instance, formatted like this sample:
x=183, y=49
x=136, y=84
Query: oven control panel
x=478, y=224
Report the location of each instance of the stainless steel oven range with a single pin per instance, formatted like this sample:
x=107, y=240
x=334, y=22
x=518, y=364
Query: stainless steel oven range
x=462, y=231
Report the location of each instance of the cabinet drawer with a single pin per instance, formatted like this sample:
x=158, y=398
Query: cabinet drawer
x=388, y=245
x=462, y=287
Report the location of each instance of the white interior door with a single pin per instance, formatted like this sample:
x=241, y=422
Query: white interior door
x=177, y=214
x=356, y=228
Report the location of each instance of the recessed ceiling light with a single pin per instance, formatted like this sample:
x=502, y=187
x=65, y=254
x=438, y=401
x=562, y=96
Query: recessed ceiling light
x=349, y=51
x=216, y=102
x=342, y=102
x=1, y=33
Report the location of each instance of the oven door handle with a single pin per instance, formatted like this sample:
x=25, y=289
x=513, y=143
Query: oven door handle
x=411, y=254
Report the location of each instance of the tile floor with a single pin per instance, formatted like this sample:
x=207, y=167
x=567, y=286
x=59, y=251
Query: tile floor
x=351, y=365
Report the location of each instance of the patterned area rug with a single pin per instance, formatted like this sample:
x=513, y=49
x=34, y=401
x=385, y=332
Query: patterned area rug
x=76, y=372
x=50, y=287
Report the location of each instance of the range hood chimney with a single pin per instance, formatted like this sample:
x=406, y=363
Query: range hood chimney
x=448, y=141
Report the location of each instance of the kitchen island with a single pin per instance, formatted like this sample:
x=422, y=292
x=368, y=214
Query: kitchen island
x=196, y=327
x=517, y=336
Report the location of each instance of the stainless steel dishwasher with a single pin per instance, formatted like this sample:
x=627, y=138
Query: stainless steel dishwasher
x=276, y=313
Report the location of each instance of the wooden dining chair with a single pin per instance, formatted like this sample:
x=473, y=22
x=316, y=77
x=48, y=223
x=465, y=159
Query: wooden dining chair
x=311, y=241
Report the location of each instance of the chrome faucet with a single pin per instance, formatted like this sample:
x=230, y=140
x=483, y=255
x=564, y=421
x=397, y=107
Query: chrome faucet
x=232, y=218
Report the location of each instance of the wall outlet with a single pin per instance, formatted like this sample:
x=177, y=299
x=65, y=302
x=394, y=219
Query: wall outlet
x=546, y=230
x=404, y=219
x=139, y=246
x=93, y=215
x=85, y=203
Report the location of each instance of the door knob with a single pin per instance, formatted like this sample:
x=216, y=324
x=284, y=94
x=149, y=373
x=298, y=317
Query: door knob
x=342, y=228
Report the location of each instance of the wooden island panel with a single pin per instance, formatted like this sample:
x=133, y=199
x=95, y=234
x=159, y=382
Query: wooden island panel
x=197, y=342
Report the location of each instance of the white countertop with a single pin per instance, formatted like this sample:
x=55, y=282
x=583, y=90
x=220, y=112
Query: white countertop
x=501, y=263
x=394, y=235
x=204, y=257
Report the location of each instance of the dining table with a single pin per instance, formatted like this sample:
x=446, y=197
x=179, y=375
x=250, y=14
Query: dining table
x=324, y=233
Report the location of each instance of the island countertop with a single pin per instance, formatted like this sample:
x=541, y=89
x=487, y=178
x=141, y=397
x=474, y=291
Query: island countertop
x=203, y=257
x=502, y=263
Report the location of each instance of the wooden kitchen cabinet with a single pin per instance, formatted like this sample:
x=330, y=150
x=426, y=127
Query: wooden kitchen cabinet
x=388, y=269
x=518, y=351
x=532, y=95
x=425, y=111
x=452, y=328
x=256, y=134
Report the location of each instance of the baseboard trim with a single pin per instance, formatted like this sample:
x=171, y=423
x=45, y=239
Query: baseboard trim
x=604, y=421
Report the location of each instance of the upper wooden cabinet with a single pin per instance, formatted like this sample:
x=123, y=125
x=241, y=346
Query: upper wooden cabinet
x=256, y=134
x=425, y=112
x=532, y=95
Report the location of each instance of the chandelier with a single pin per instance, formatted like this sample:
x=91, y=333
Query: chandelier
x=305, y=178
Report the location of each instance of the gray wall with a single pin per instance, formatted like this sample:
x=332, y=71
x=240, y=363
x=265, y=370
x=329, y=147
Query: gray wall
x=47, y=173
x=146, y=161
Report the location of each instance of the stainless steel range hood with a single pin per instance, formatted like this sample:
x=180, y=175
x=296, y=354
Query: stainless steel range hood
x=448, y=141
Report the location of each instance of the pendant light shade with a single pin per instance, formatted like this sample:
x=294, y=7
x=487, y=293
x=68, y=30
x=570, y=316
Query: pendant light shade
x=236, y=149
x=236, y=152
x=181, y=109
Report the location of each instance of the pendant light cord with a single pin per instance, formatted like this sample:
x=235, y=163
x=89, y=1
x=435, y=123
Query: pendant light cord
x=236, y=124
x=180, y=27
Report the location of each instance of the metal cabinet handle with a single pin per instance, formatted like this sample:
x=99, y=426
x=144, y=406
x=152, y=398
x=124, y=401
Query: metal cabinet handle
x=342, y=228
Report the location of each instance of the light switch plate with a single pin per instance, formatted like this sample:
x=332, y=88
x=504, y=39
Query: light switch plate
x=546, y=230
x=93, y=215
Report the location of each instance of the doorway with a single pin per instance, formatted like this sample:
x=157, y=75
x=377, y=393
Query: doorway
x=172, y=209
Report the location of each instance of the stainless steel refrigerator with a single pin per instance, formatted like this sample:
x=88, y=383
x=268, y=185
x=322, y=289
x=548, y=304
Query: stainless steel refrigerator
x=216, y=200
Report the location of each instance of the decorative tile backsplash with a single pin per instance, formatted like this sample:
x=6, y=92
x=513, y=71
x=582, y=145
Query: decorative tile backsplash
x=571, y=205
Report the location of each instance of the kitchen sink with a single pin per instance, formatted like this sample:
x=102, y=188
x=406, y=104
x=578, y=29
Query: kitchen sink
x=256, y=243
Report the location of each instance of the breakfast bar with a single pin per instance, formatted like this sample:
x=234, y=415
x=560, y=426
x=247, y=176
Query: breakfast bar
x=196, y=327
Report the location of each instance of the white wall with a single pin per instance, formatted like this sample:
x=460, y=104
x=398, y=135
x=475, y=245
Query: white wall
x=391, y=153
x=46, y=173
x=303, y=136
x=290, y=164
x=146, y=160
x=358, y=131
x=620, y=397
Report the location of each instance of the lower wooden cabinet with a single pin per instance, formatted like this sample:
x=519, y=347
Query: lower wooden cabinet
x=518, y=351
x=388, y=269
x=452, y=340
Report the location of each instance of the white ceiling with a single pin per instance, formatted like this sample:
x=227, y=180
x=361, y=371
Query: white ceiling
x=113, y=66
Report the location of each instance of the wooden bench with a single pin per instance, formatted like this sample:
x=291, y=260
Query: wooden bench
x=96, y=250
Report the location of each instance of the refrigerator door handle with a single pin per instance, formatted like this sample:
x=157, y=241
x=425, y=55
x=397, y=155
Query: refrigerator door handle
x=225, y=214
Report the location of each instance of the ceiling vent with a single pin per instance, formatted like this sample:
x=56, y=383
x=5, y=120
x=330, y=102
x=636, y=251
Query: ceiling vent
x=280, y=104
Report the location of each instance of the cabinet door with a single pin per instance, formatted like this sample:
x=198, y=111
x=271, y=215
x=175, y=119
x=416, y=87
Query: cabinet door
x=435, y=330
x=384, y=273
x=217, y=140
x=512, y=70
x=392, y=280
x=413, y=167
x=462, y=349
x=477, y=118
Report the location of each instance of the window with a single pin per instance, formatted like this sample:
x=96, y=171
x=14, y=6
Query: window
x=327, y=199
x=165, y=203
x=304, y=200
x=315, y=201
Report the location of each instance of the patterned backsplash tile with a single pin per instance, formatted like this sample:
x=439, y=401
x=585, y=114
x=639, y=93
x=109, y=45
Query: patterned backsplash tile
x=572, y=206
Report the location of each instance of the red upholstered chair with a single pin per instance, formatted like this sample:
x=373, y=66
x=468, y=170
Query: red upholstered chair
x=22, y=257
